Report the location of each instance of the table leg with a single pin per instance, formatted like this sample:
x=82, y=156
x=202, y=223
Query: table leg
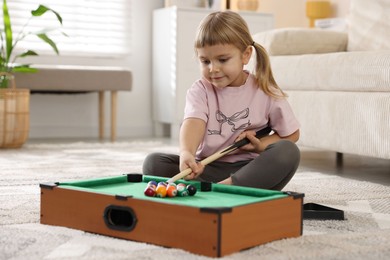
x=114, y=97
x=101, y=115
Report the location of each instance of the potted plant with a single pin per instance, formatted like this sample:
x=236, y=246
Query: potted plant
x=14, y=103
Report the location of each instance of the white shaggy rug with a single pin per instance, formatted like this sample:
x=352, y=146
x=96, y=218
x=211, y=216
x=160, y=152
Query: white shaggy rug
x=364, y=234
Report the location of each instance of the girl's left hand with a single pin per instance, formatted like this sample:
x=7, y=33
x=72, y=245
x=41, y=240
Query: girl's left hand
x=255, y=145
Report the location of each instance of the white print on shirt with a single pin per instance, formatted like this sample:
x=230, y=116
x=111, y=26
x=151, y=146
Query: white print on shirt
x=232, y=120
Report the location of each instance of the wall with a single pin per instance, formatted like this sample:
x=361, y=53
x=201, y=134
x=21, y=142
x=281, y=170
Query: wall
x=66, y=116
x=292, y=13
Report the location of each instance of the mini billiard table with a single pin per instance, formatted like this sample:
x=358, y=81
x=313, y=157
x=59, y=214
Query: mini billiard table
x=216, y=221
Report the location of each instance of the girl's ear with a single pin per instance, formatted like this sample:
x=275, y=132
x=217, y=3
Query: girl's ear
x=246, y=56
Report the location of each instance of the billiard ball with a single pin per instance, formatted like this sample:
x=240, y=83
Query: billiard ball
x=182, y=191
x=162, y=183
x=171, y=185
x=171, y=191
x=150, y=192
x=161, y=191
x=152, y=183
x=180, y=185
x=191, y=189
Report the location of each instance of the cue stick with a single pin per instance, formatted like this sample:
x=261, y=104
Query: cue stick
x=261, y=133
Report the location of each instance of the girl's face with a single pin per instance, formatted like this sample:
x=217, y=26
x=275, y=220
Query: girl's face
x=222, y=65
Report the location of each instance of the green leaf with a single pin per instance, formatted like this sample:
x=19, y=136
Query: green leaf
x=27, y=53
x=8, y=42
x=4, y=68
x=7, y=30
x=24, y=69
x=49, y=41
x=43, y=9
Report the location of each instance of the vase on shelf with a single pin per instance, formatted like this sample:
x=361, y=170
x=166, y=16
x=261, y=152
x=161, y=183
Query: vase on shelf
x=14, y=113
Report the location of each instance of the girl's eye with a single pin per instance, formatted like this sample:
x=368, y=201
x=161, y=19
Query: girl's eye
x=206, y=62
x=223, y=60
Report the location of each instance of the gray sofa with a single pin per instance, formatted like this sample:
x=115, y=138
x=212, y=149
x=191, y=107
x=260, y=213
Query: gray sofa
x=338, y=82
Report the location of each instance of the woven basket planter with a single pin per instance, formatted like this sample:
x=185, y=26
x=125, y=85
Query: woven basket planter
x=14, y=114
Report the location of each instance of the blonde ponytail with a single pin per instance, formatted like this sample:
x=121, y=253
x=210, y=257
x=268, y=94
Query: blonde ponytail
x=263, y=73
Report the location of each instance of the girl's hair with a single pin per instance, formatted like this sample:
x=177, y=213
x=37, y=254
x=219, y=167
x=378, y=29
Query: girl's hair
x=228, y=27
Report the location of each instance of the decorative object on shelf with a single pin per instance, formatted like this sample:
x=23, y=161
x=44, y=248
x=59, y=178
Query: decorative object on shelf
x=317, y=10
x=14, y=103
x=187, y=3
x=334, y=24
x=217, y=5
x=227, y=4
x=247, y=5
x=234, y=5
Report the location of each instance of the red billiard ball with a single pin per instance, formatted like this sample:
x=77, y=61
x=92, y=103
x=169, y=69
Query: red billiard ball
x=150, y=192
x=191, y=189
x=181, y=186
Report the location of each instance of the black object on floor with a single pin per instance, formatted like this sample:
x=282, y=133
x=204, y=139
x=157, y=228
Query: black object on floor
x=317, y=211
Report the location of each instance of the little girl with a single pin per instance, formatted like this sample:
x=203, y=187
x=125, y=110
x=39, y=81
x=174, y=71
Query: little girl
x=228, y=104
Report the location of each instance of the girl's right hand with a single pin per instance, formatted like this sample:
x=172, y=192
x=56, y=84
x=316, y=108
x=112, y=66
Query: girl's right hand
x=187, y=160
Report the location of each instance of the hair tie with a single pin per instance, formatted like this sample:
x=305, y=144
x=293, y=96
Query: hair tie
x=253, y=44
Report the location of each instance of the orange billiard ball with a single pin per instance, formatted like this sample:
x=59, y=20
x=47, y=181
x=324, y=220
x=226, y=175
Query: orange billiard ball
x=171, y=191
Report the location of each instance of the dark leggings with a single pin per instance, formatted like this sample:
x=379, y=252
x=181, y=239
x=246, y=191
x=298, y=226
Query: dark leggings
x=272, y=169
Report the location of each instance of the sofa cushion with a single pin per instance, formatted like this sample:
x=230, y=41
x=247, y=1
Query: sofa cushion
x=339, y=71
x=69, y=78
x=295, y=41
x=369, y=25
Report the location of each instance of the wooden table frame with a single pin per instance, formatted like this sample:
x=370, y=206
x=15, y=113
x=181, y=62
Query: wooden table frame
x=215, y=231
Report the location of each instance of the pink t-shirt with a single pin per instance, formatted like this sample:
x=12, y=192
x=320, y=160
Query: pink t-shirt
x=231, y=110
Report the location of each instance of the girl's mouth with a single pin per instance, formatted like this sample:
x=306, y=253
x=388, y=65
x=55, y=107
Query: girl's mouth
x=216, y=78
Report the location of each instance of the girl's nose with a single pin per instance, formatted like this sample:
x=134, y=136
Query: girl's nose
x=214, y=67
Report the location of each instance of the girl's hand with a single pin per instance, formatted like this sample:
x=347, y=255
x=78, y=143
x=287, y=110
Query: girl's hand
x=255, y=145
x=187, y=160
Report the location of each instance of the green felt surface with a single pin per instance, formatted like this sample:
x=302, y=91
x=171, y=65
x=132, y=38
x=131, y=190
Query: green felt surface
x=220, y=196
